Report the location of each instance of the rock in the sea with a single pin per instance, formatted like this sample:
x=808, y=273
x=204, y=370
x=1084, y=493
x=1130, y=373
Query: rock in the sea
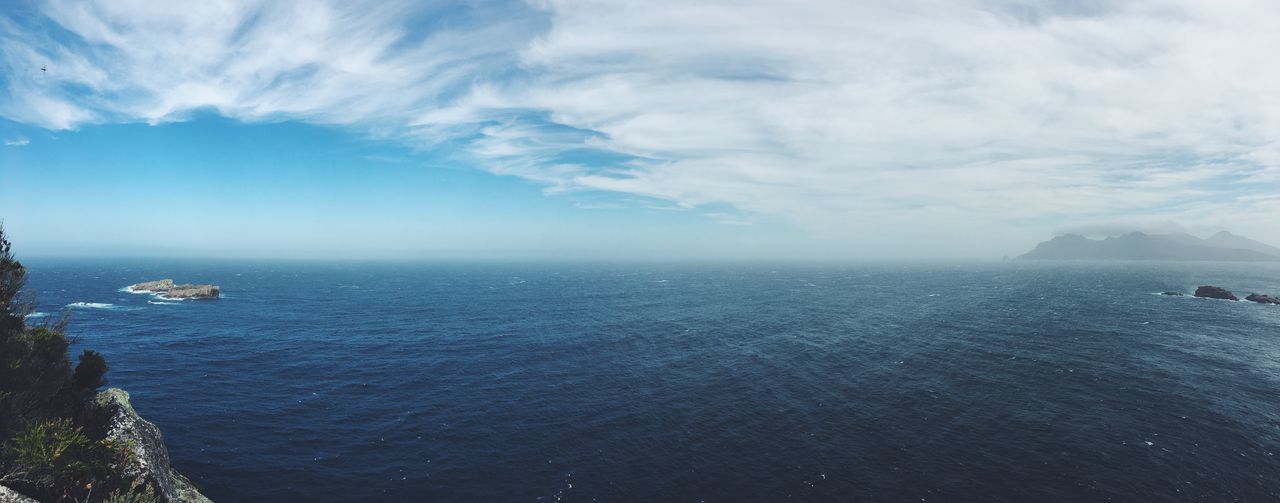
x=153, y=286
x=1175, y=294
x=10, y=496
x=112, y=417
x=192, y=292
x=1262, y=298
x=1213, y=292
x=167, y=289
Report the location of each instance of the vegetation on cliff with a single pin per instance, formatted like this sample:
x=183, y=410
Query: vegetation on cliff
x=47, y=448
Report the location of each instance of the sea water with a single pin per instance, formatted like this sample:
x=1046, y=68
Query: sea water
x=443, y=381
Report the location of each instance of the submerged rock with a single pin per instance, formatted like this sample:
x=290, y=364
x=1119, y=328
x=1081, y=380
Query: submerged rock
x=112, y=417
x=167, y=289
x=1262, y=298
x=1175, y=294
x=1213, y=292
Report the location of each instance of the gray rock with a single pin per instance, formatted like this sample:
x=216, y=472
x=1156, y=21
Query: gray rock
x=1213, y=292
x=10, y=496
x=165, y=288
x=113, y=418
x=192, y=292
x=1262, y=298
x=153, y=286
x=1175, y=294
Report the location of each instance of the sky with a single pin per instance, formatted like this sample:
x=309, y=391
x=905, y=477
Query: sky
x=805, y=129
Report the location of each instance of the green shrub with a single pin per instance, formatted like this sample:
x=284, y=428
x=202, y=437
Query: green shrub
x=49, y=346
x=91, y=369
x=138, y=492
x=13, y=304
x=35, y=379
x=57, y=455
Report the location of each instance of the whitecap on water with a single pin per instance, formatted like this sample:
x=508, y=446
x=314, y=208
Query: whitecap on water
x=91, y=305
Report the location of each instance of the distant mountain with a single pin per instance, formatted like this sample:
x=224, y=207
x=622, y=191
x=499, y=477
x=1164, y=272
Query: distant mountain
x=1222, y=246
x=1226, y=239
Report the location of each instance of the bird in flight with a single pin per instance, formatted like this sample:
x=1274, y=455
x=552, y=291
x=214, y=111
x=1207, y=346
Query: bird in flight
x=43, y=69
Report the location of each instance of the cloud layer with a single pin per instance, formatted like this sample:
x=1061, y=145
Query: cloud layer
x=920, y=122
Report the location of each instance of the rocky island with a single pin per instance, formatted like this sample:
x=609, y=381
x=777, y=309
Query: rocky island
x=165, y=288
x=1262, y=298
x=1213, y=292
x=1217, y=292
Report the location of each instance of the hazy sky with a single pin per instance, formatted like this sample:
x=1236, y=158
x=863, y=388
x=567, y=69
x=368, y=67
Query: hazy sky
x=789, y=129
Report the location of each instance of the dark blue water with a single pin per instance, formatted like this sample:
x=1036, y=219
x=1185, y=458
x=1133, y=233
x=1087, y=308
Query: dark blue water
x=640, y=382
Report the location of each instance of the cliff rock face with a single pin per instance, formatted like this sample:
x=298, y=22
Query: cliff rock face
x=114, y=418
x=1213, y=292
x=167, y=289
x=10, y=496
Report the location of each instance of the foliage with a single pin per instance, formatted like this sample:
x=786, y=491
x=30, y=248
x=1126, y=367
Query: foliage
x=28, y=359
x=35, y=378
x=134, y=494
x=57, y=457
x=13, y=276
x=13, y=347
x=47, y=345
x=91, y=369
x=36, y=381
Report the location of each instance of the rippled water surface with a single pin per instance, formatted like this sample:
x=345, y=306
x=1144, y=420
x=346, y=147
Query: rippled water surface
x=644, y=382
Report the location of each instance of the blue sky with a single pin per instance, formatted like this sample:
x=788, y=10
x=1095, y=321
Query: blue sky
x=580, y=129
x=216, y=187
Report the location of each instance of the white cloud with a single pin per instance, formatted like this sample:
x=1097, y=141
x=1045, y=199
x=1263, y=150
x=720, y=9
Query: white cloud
x=17, y=142
x=916, y=121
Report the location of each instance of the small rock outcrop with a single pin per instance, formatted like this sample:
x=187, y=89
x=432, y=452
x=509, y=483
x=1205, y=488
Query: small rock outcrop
x=167, y=289
x=192, y=292
x=10, y=496
x=153, y=286
x=1174, y=294
x=1262, y=298
x=1213, y=292
x=112, y=417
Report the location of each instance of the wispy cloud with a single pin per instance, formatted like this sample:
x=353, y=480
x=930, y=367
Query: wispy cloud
x=17, y=142
x=898, y=118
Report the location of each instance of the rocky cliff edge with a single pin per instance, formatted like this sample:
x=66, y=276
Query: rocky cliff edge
x=113, y=417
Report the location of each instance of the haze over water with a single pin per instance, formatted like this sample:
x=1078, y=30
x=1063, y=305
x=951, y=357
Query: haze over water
x=696, y=382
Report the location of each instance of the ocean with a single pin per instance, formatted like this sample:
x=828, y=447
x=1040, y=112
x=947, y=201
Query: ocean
x=442, y=381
